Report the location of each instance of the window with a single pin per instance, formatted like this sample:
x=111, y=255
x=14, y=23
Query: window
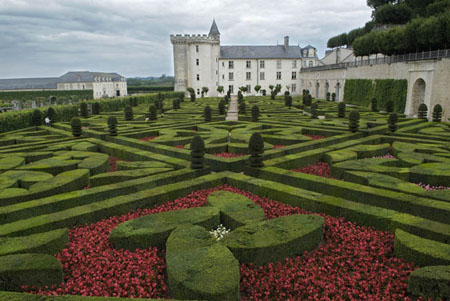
x=261, y=64
x=223, y=64
x=294, y=64
x=294, y=74
x=248, y=64
x=197, y=62
x=311, y=63
x=230, y=64
x=293, y=87
x=230, y=76
x=249, y=88
x=198, y=76
x=248, y=76
x=278, y=75
x=198, y=91
x=230, y=88
x=261, y=75
x=196, y=48
x=279, y=64
x=223, y=76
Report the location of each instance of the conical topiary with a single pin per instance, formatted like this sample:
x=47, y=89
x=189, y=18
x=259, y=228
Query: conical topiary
x=128, y=110
x=353, y=121
x=389, y=106
x=256, y=148
x=255, y=113
x=240, y=96
x=242, y=108
x=333, y=96
x=197, y=152
x=307, y=100
x=96, y=108
x=221, y=107
x=288, y=101
x=341, y=109
x=36, y=118
x=84, y=110
x=328, y=96
x=51, y=114
x=374, y=105
x=207, y=113
x=314, y=110
x=437, y=113
x=423, y=111
x=152, y=113
x=112, y=125
x=392, y=122
x=75, y=123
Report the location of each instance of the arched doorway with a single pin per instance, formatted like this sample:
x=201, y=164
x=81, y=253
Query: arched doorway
x=317, y=90
x=418, y=95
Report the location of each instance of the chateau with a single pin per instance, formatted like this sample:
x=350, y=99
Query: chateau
x=200, y=61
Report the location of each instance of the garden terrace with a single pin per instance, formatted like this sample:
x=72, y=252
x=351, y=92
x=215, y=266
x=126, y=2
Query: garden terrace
x=126, y=216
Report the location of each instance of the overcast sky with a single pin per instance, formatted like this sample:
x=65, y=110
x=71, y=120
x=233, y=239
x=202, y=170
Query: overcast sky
x=46, y=38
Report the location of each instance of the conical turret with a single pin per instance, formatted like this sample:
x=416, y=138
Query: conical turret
x=214, y=31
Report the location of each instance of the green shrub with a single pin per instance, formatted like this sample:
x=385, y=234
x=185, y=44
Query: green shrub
x=95, y=108
x=175, y=104
x=272, y=95
x=328, y=96
x=437, y=113
x=353, y=121
x=314, y=110
x=255, y=113
x=207, y=113
x=389, y=106
x=152, y=113
x=37, y=118
x=288, y=101
x=307, y=100
x=392, y=122
x=242, y=108
x=128, y=112
x=75, y=123
x=374, y=105
x=240, y=96
x=84, y=110
x=133, y=102
x=333, y=96
x=256, y=149
x=423, y=111
x=341, y=109
x=221, y=107
x=112, y=126
x=197, y=152
x=51, y=114
x=430, y=282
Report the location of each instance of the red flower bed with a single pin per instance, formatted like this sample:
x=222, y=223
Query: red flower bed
x=181, y=146
x=148, y=138
x=277, y=146
x=113, y=164
x=320, y=168
x=353, y=263
x=228, y=155
x=315, y=137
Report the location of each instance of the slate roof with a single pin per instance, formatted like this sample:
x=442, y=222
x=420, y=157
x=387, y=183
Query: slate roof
x=260, y=52
x=214, y=31
x=86, y=76
x=28, y=83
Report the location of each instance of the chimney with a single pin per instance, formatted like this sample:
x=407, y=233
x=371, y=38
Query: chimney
x=286, y=42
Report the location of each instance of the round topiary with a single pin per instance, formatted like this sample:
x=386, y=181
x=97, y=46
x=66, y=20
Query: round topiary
x=255, y=113
x=152, y=113
x=392, y=122
x=333, y=96
x=288, y=101
x=51, y=114
x=437, y=113
x=75, y=123
x=353, y=121
x=112, y=125
x=207, y=113
x=96, y=108
x=423, y=111
x=197, y=152
x=307, y=100
x=36, y=118
x=328, y=96
x=242, y=108
x=374, y=105
x=341, y=110
x=175, y=104
x=389, y=106
x=221, y=107
x=84, y=110
x=314, y=110
x=256, y=149
x=272, y=95
x=128, y=110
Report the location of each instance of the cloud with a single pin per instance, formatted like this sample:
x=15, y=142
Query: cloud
x=49, y=37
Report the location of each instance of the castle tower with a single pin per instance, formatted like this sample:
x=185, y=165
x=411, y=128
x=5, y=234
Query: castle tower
x=196, y=61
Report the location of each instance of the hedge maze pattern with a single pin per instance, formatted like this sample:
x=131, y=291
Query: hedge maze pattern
x=51, y=182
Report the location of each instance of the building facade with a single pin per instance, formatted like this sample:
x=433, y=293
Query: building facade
x=102, y=84
x=200, y=61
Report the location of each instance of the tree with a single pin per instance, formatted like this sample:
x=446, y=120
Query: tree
x=36, y=118
x=374, y=105
x=377, y=3
x=328, y=96
x=271, y=87
x=242, y=108
x=112, y=125
x=204, y=90
x=392, y=122
x=255, y=113
x=288, y=101
x=353, y=121
x=75, y=123
x=314, y=110
x=128, y=111
x=191, y=93
x=207, y=113
x=51, y=114
x=197, y=152
x=96, y=108
x=176, y=104
x=256, y=149
x=307, y=100
x=221, y=107
x=257, y=88
x=333, y=96
x=220, y=89
x=423, y=111
x=393, y=14
x=341, y=110
x=437, y=113
x=389, y=106
x=84, y=110
x=152, y=113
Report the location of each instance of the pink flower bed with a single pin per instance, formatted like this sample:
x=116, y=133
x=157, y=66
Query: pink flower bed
x=428, y=187
x=148, y=138
x=353, y=263
x=179, y=146
x=277, y=146
x=387, y=156
x=320, y=168
x=113, y=164
x=228, y=155
x=315, y=137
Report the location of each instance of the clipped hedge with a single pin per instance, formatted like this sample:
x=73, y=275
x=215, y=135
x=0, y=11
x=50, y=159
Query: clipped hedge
x=430, y=282
x=14, y=296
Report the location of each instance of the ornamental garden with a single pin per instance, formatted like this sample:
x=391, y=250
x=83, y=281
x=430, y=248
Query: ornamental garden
x=160, y=196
